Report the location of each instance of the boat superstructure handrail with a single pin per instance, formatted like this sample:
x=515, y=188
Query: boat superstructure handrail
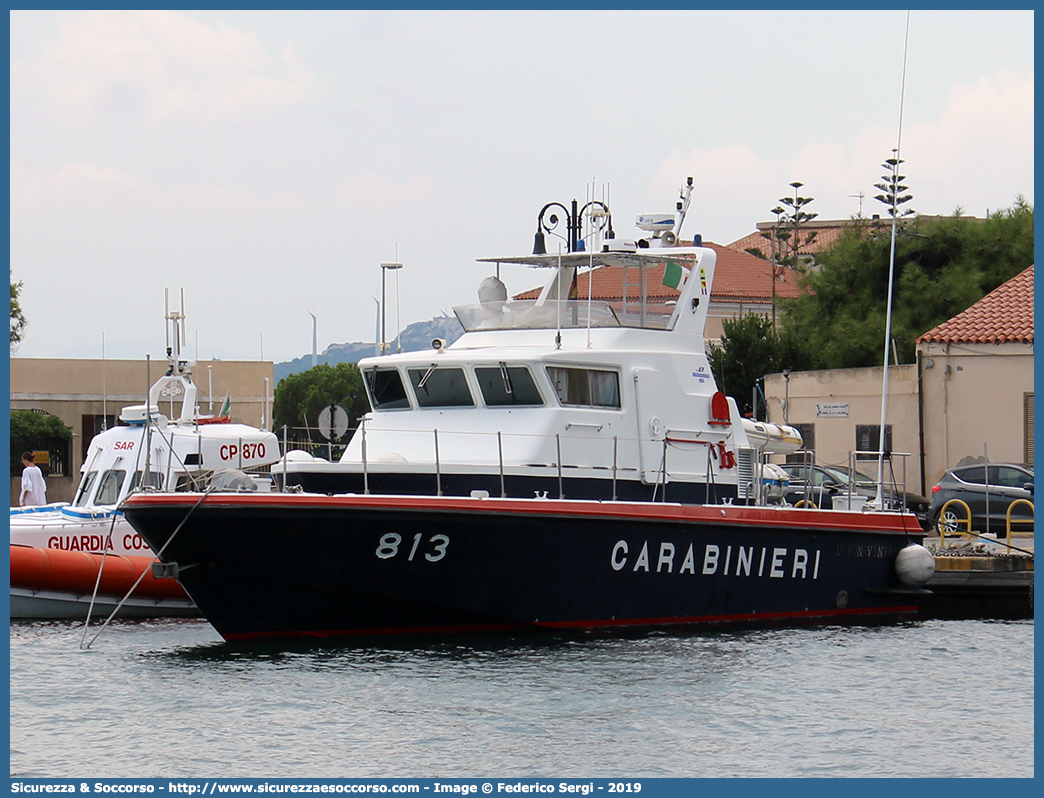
x=531, y=314
x=584, y=450
x=894, y=485
x=561, y=303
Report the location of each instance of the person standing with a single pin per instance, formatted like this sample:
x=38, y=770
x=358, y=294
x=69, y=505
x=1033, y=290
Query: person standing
x=34, y=488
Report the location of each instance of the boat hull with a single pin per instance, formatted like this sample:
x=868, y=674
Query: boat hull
x=287, y=565
x=53, y=583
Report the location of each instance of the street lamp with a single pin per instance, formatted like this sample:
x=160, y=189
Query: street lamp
x=572, y=217
x=384, y=304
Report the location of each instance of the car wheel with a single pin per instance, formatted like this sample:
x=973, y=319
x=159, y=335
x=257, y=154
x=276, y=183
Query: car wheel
x=951, y=522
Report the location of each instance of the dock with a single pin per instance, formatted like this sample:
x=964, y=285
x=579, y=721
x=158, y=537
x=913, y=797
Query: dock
x=981, y=582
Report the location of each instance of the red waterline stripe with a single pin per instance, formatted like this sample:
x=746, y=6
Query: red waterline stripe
x=761, y=616
x=707, y=619
x=798, y=518
x=405, y=630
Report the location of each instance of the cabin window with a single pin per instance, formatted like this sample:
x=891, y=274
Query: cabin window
x=441, y=387
x=507, y=386
x=585, y=387
x=188, y=483
x=386, y=389
x=109, y=487
x=85, y=488
x=155, y=480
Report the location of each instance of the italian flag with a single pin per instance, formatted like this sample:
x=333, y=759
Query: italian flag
x=674, y=275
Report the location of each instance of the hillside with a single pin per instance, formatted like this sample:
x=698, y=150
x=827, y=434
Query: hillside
x=416, y=336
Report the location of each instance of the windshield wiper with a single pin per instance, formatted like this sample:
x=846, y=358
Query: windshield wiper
x=427, y=374
x=506, y=378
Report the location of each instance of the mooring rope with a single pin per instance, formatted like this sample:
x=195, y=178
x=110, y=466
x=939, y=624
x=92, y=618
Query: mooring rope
x=135, y=585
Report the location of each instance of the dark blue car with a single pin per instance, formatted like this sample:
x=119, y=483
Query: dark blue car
x=996, y=485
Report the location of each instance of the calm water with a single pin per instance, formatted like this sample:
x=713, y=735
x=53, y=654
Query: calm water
x=168, y=699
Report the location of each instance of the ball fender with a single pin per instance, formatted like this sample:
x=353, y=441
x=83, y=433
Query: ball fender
x=914, y=565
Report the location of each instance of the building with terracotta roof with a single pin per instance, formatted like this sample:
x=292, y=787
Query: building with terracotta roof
x=977, y=381
x=827, y=232
x=742, y=284
x=969, y=394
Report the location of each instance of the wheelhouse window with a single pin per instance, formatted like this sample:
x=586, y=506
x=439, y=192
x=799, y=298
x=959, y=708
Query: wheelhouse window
x=85, y=488
x=507, y=386
x=153, y=480
x=578, y=387
x=109, y=487
x=386, y=389
x=441, y=387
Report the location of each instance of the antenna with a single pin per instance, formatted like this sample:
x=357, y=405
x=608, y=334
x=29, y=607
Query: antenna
x=315, y=347
x=377, y=328
x=683, y=207
x=105, y=393
x=860, y=195
x=891, y=281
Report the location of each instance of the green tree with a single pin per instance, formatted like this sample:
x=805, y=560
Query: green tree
x=750, y=348
x=942, y=266
x=35, y=429
x=37, y=423
x=789, y=223
x=892, y=189
x=786, y=237
x=17, y=317
x=300, y=397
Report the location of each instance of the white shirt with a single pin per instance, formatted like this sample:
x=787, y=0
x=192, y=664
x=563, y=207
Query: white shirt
x=34, y=488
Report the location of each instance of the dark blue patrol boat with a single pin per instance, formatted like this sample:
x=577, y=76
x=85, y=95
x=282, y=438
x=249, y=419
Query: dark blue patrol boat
x=566, y=464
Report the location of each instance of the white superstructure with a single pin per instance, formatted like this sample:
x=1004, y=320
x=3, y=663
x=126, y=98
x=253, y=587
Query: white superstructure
x=606, y=399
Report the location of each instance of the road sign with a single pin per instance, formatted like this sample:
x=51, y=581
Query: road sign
x=333, y=422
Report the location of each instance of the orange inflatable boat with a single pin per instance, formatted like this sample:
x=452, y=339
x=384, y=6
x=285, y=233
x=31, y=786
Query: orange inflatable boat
x=53, y=583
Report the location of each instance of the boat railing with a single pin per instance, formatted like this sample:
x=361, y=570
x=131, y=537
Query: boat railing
x=894, y=487
x=558, y=455
x=584, y=450
x=889, y=482
x=531, y=314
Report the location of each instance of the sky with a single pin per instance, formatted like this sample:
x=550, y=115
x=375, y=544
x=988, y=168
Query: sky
x=267, y=162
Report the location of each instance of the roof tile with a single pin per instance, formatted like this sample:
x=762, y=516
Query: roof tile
x=1005, y=315
x=738, y=276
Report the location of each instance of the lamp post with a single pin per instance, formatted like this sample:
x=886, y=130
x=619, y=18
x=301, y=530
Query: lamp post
x=572, y=217
x=384, y=304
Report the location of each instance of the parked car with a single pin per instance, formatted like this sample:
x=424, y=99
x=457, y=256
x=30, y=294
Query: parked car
x=999, y=484
x=820, y=484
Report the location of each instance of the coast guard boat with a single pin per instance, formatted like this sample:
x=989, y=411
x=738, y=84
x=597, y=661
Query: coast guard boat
x=566, y=464
x=57, y=550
